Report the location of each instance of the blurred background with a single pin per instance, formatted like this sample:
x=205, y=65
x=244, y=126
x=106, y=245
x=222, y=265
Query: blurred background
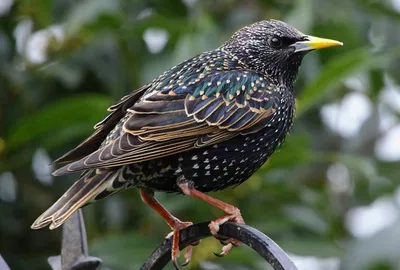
x=329, y=197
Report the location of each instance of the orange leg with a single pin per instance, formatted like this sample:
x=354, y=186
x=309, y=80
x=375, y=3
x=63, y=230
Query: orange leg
x=175, y=224
x=232, y=213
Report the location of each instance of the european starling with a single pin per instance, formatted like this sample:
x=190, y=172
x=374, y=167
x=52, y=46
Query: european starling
x=204, y=125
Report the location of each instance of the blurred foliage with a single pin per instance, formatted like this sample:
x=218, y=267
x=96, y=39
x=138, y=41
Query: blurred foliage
x=100, y=55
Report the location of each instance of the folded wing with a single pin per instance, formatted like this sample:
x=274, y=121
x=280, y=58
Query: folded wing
x=93, y=142
x=198, y=112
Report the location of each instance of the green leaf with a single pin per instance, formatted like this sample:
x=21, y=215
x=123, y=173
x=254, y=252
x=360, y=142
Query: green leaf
x=87, y=11
x=124, y=251
x=39, y=11
x=294, y=151
x=169, y=8
x=306, y=217
x=377, y=82
x=64, y=114
x=310, y=246
x=379, y=8
x=339, y=68
x=363, y=166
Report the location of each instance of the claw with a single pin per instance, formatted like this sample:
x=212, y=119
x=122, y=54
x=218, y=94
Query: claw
x=195, y=243
x=232, y=213
x=175, y=244
x=187, y=261
x=169, y=235
x=218, y=254
x=225, y=250
x=224, y=242
x=220, y=237
x=228, y=243
x=175, y=224
x=176, y=264
x=188, y=255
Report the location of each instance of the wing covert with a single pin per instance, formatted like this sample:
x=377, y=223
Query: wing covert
x=200, y=112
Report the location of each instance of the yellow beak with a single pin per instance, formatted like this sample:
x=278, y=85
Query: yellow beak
x=315, y=43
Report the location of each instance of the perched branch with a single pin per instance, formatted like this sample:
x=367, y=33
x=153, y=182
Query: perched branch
x=249, y=236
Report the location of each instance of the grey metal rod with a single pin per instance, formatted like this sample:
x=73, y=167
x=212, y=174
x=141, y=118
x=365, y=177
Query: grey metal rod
x=249, y=236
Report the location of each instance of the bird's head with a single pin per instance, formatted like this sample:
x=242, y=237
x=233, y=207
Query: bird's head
x=274, y=48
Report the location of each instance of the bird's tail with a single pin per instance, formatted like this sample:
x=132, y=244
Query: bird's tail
x=92, y=186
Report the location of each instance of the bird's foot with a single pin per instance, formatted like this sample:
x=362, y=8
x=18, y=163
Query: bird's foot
x=175, y=224
x=233, y=216
x=179, y=225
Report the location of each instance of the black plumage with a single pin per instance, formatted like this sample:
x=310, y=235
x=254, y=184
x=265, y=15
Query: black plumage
x=209, y=122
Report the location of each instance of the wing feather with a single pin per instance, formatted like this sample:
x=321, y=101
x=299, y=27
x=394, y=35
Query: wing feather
x=213, y=109
x=102, y=128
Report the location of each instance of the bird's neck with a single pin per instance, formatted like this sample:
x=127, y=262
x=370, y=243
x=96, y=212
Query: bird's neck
x=281, y=74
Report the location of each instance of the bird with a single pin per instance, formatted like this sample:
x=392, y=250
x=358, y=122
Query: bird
x=204, y=125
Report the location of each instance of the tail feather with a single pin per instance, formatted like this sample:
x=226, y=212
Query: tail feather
x=82, y=192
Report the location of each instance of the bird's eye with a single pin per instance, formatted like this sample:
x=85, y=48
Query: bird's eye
x=275, y=42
